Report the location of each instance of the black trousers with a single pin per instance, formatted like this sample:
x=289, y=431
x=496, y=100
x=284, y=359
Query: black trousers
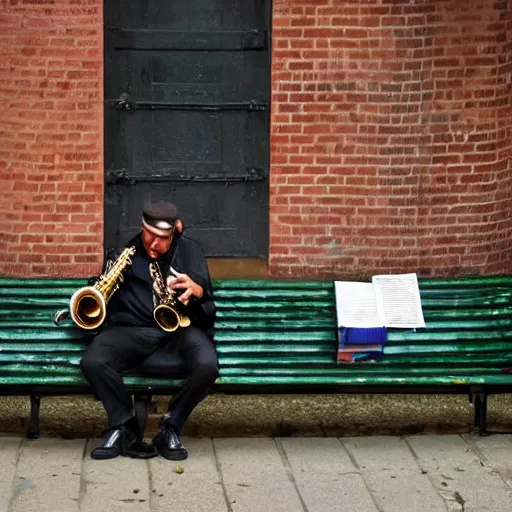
x=117, y=349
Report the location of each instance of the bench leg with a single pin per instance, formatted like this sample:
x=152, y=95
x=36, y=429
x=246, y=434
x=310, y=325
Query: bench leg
x=33, y=422
x=141, y=410
x=480, y=405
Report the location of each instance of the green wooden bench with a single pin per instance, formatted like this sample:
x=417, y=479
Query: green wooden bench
x=279, y=337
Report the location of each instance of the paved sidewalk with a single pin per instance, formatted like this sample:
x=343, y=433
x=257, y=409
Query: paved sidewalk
x=361, y=474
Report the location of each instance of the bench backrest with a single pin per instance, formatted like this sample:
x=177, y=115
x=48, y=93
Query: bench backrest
x=281, y=333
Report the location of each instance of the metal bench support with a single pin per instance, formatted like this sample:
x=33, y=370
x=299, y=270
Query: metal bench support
x=479, y=400
x=33, y=422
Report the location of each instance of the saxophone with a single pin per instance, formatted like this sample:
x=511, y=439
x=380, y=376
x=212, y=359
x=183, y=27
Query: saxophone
x=88, y=305
x=166, y=312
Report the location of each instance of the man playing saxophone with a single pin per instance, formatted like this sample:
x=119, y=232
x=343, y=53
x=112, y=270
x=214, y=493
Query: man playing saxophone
x=130, y=335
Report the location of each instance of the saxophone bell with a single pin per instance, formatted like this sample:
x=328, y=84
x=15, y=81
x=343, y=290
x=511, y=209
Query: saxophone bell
x=88, y=308
x=166, y=313
x=88, y=305
x=169, y=319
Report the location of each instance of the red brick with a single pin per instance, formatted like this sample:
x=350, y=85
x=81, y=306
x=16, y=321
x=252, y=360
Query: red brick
x=54, y=41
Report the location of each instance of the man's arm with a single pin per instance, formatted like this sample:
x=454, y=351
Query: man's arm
x=193, y=284
x=179, y=281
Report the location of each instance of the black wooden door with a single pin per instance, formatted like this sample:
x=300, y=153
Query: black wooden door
x=186, y=119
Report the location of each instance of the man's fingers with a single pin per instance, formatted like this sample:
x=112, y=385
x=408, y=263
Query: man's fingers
x=180, y=282
x=185, y=296
x=176, y=273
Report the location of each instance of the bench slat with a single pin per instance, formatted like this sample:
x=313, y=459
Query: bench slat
x=362, y=370
x=371, y=380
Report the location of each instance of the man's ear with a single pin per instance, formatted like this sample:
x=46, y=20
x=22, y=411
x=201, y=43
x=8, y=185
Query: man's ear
x=178, y=226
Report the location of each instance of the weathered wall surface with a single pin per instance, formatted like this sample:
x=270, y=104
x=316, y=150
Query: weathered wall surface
x=51, y=137
x=391, y=137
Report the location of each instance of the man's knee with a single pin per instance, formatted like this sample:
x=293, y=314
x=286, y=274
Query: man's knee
x=207, y=371
x=92, y=364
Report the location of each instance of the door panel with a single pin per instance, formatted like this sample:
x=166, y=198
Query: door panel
x=186, y=118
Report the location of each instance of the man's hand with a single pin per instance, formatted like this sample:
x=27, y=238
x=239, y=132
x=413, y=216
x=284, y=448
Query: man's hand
x=180, y=281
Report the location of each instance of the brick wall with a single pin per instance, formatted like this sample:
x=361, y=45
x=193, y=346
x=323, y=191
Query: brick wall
x=51, y=137
x=391, y=137
x=501, y=259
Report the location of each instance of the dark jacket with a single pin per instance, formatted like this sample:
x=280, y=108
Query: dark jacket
x=133, y=302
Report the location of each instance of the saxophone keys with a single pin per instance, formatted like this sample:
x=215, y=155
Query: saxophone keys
x=184, y=321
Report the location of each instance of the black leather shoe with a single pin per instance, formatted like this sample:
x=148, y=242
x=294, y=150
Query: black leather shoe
x=121, y=441
x=168, y=444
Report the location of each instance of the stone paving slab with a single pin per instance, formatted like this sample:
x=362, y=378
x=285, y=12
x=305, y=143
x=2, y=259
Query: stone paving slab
x=116, y=485
x=254, y=476
x=194, y=484
x=434, y=473
x=325, y=475
x=465, y=481
x=9, y=450
x=48, y=476
x=495, y=451
x=393, y=476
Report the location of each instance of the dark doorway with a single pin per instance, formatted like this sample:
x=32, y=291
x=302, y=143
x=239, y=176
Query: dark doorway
x=187, y=119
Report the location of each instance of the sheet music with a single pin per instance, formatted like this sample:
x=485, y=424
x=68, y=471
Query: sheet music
x=356, y=305
x=388, y=301
x=398, y=297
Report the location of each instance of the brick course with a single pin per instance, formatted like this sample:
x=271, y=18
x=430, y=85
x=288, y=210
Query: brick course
x=51, y=137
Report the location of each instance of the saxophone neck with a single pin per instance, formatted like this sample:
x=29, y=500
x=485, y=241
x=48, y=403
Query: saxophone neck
x=109, y=282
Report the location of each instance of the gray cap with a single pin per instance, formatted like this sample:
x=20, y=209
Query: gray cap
x=159, y=215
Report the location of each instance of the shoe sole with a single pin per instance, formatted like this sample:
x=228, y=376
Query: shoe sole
x=105, y=456
x=139, y=455
x=180, y=454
